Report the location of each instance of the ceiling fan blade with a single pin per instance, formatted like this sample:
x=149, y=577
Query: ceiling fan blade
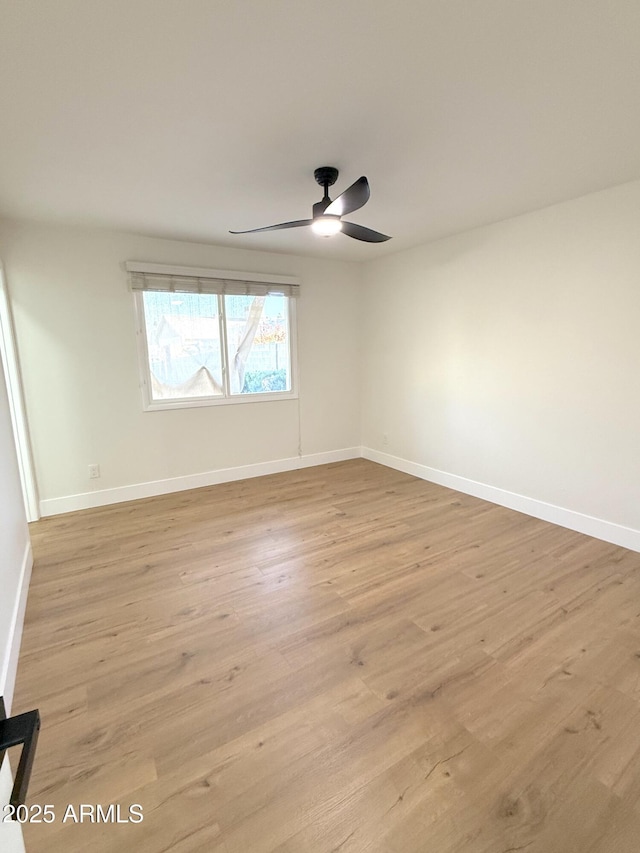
x=359, y=232
x=297, y=223
x=353, y=198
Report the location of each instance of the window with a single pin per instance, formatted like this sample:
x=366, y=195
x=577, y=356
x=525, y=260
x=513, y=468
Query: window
x=211, y=338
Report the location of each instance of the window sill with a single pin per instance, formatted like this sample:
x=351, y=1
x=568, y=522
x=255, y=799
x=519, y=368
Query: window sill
x=199, y=402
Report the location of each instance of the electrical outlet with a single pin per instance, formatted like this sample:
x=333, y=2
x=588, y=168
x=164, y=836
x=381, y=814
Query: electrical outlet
x=94, y=472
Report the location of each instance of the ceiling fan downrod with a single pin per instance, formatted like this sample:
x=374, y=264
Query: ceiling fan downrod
x=326, y=176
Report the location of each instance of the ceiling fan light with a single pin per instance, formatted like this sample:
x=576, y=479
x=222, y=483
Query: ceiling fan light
x=326, y=226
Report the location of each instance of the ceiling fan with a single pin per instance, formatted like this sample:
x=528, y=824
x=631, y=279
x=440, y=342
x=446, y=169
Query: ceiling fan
x=327, y=215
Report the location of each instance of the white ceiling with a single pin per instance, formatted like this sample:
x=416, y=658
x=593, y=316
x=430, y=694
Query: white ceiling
x=187, y=118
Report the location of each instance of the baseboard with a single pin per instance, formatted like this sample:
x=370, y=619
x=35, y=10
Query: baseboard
x=608, y=531
x=627, y=537
x=104, y=497
x=10, y=668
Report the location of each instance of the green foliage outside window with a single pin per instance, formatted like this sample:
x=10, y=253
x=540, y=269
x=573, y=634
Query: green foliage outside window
x=259, y=381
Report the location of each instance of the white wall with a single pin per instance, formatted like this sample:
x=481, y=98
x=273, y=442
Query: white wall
x=15, y=552
x=510, y=356
x=15, y=571
x=76, y=338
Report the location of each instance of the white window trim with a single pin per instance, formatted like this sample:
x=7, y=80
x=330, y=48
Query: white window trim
x=151, y=405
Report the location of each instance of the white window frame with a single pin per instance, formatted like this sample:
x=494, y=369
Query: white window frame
x=151, y=405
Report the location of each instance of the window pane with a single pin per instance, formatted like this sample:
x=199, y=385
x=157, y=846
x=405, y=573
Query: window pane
x=183, y=340
x=258, y=344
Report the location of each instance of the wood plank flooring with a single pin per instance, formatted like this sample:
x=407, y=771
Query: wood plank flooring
x=335, y=660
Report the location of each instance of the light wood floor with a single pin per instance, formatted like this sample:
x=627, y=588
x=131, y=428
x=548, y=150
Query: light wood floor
x=335, y=660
